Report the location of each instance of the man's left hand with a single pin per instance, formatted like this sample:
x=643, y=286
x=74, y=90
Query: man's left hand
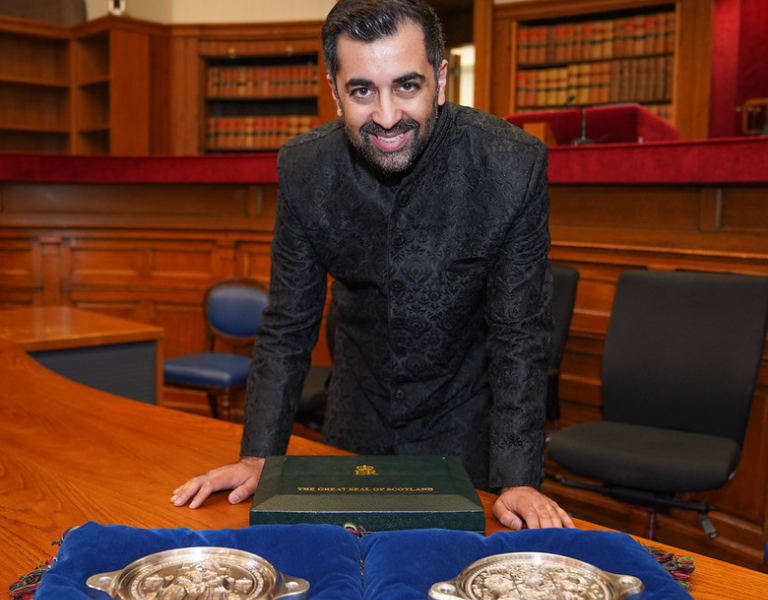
x=517, y=506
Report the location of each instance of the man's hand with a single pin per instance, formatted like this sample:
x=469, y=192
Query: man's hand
x=241, y=477
x=518, y=505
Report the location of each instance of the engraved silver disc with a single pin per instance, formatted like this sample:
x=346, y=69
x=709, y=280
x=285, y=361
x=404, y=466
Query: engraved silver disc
x=535, y=576
x=200, y=573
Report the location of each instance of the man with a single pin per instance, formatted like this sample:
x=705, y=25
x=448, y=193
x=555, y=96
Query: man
x=432, y=220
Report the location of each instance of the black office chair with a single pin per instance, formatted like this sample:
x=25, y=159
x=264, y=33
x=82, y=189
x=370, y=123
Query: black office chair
x=314, y=394
x=565, y=282
x=232, y=309
x=679, y=371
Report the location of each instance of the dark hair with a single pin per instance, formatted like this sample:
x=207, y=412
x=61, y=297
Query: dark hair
x=372, y=20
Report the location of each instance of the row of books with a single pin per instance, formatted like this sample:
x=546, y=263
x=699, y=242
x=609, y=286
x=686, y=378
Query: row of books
x=293, y=81
x=646, y=79
x=595, y=40
x=256, y=133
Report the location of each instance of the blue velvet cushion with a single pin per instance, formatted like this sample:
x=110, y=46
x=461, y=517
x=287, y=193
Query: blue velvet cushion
x=324, y=555
x=208, y=368
x=398, y=565
x=403, y=565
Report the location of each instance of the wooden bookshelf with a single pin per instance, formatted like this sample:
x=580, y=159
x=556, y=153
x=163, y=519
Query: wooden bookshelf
x=34, y=86
x=549, y=54
x=591, y=61
x=82, y=89
x=92, y=88
x=111, y=86
x=258, y=93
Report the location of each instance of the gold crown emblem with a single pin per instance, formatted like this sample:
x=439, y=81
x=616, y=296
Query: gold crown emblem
x=365, y=470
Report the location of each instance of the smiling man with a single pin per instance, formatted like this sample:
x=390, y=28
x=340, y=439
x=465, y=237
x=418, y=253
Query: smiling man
x=389, y=111
x=432, y=220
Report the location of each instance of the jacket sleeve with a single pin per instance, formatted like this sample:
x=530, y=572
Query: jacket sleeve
x=519, y=325
x=288, y=331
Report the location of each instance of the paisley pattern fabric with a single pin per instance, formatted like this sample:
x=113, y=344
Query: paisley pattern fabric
x=441, y=290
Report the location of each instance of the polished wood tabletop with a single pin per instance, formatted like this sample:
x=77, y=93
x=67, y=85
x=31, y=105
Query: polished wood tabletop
x=70, y=454
x=59, y=327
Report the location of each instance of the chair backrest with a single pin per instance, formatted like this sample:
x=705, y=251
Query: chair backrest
x=233, y=308
x=565, y=282
x=683, y=350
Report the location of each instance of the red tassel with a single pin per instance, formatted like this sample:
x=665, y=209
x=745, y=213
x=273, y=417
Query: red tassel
x=26, y=586
x=679, y=567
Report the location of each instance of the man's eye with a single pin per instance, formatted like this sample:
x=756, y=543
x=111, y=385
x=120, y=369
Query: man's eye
x=361, y=92
x=409, y=87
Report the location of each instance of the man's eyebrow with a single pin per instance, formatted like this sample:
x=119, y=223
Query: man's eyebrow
x=360, y=82
x=410, y=77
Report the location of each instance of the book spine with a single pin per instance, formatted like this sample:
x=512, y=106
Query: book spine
x=550, y=44
x=608, y=33
x=577, y=50
x=638, y=45
x=582, y=93
x=669, y=32
x=659, y=38
x=523, y=45
x=521, y=89
x=649, y=29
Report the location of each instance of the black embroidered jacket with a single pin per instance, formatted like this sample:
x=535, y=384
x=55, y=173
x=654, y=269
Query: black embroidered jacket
x=442, y=293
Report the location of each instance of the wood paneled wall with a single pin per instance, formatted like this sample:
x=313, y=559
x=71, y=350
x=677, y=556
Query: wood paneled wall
x=145, y=252
x=148, y=251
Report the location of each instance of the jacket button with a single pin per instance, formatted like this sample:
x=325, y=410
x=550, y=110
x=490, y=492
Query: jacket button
x=399, y=395
x=398, y=322
x=403, y=200
x=399, y=241
x=398, y=285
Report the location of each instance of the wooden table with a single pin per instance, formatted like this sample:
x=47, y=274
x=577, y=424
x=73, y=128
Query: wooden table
x=111, y=354
x=70, y=454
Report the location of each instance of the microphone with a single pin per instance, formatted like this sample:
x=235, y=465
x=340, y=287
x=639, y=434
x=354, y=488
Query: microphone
x=583, y=140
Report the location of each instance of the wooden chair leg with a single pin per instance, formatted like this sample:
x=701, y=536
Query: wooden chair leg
x=226, y=406
x=213, y=400
x=650, y=527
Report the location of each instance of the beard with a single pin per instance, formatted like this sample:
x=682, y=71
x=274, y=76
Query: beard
x=397, y=161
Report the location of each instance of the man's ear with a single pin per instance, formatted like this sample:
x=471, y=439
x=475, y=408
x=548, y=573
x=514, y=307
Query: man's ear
x=335, y=94
x=442, y=81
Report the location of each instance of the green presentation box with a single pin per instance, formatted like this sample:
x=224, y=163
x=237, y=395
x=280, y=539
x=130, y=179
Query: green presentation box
x=375, y=493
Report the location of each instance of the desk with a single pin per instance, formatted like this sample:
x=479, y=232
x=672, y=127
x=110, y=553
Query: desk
x=173, y=225
x=114, y=355
x=70, y=454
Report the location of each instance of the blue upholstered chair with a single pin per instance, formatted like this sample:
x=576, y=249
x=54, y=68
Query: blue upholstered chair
x=232, y=309
x=765, y=558
x=565, y=281
x=679, y=371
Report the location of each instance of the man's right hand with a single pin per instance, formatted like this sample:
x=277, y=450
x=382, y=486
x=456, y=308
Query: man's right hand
x=241, y=477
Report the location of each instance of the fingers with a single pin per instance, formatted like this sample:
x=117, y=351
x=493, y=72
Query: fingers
x=244, y=491
x=206, y=489
x=505, y=516
x=182, y=494
x=197, y=489
x=543, y=515
x=241, y=477
x=517, y=505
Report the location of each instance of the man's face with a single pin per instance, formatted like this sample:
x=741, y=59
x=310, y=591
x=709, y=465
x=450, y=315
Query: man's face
x=387, y=94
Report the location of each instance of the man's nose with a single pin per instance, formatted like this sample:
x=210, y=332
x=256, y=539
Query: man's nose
x=388, y=112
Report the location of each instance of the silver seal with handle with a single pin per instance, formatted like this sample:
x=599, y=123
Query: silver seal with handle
x=534, y=575
x=200, y=573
